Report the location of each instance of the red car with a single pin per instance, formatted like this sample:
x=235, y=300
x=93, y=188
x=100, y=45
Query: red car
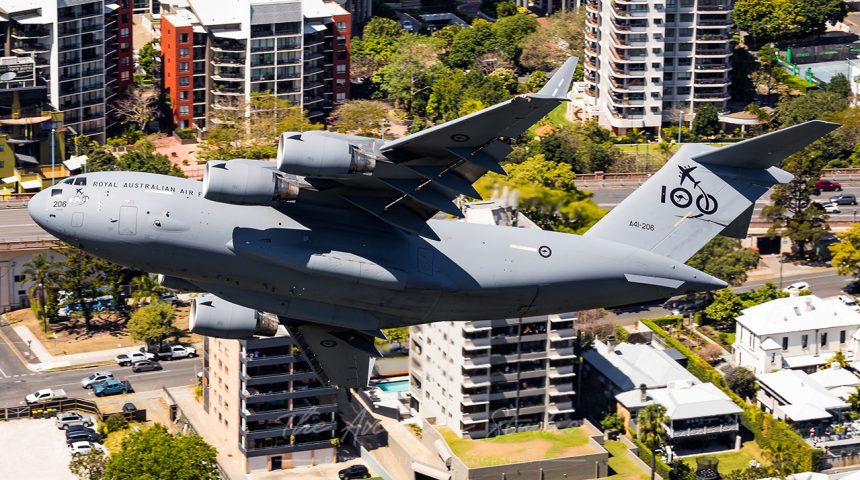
x=825, y=185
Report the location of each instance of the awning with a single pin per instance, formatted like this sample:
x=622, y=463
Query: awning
x=315, y=28
x=31, y=184
x=232, y=34
x=20, y=157
x=26, y=121
x=10, y=180
x=802, y=361
x=75, y=163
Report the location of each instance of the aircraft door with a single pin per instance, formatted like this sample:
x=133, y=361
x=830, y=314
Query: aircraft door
x=127, y=220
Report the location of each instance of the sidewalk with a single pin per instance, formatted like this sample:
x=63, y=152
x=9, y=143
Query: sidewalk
x=46, y=361
x=769, y=269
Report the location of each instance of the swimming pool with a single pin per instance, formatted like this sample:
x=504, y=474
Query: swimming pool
x=398, y=386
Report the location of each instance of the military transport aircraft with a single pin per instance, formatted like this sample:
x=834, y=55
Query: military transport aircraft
x=337, y=240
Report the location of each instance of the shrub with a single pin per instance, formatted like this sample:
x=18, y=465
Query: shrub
x=184, y=133
x=115, y=423
x=645, y=454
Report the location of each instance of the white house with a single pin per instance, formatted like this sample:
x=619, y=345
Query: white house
x=798, y=398
x=796, y=333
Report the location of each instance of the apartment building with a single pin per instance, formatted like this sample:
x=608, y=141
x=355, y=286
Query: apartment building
x=82, y=50
x=649, y=61
x=795, y=332
x=265, y=402
x=218, y=52
x=143, y=7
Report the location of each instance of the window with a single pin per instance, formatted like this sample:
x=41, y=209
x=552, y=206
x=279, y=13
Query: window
x=123, y=32
x=341, y=68
x=183, y=38
x=341, y=25
x=340, y=96
x=183, y=81
x=183, y=52
x=772, y=357
x=785, y=343
x=804, y=341
x=183, y=66
x=824, y=339
x=842, y=336
x=124, y=75
x=183, y=95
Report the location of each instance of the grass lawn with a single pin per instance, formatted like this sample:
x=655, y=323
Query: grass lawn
x=518, y=447
x=623, y=465
x=731, y=461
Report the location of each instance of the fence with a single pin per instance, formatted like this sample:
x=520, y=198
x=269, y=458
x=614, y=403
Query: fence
x=821, y=53
x=50, y=409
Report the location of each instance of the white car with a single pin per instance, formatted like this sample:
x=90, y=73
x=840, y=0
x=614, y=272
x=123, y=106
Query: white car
x=850, y=302
x=83, y=448
x=127, y=359
x=94, y=378
x=796, y=287
x=830, y=207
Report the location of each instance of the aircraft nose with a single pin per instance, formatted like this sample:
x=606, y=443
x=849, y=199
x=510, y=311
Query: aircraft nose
x=39, y=210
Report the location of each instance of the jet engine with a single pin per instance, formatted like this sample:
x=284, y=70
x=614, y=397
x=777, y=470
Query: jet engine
x=216, y=317
x=321, y=156
x=246, y=182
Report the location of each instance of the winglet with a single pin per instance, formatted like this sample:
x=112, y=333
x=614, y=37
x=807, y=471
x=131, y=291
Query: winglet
x=768, y=150
x=559, y=83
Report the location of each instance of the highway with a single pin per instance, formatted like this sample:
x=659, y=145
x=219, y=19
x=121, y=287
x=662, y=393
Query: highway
x=176, y=373
x=18, y=226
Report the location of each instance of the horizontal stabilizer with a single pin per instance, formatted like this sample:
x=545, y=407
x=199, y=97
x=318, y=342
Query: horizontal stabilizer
x=768, y=150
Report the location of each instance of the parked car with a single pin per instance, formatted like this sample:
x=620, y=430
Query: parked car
x=830, y=207
x=850, y=302
x=796, y=287
x=170, y=352
x=78, y=428
x=83, y=448
x=353, y=471
x=844, y=199
x=824, y=185
x=129, y=408
x=145, y=366
x=86, y=435
x=112, y=387
x=126, y=359
x=687, y=303
x=46, y=395
x=65, y=420
x=94, y=378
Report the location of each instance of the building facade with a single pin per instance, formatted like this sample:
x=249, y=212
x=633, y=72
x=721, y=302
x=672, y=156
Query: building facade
x=649, y=61
x=217, y=54
x=82, y=50
x=795, y=333
x=265, y=401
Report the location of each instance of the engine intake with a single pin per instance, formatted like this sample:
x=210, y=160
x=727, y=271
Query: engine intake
x=321, y=156
x=244, y=182
x=213, y=316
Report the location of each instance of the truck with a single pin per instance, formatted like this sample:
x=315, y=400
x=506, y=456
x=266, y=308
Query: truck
x=112, y=387
x=127, y=359
x=45, y=395
x=170, y=352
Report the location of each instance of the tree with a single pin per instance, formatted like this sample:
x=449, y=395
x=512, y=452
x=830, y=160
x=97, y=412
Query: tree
x=536, y=80
x=41, y=272
x=547, y=194
x=752, y=473
x=142, y=158
x=840, y=85
x=146, y=57
x=725, y=259
x=781, y=458
x=767, y=74
x=81, y=278
x=510, y=31
x=768, y=20
x=612, y=424
x=250, y=129
x=680, y=470
x=742, y=381
x=137, y=106
x=88, y=467
x=561, y=36
x=651, y=430
x=765, y=293
x=854, y=402
x=470, y=43
x=378, y=41
x=409, y=76
x=706, y=123
x=146, y=286
x=506, y=9
x=446, y=94
x=838, y=358
x=725, y=308
x=363, y=117
x=791, y=111
x=152, y=323
x=154, y=454
x=846, y=253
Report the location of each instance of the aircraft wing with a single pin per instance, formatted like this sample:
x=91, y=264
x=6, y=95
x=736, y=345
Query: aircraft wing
x=421, y=174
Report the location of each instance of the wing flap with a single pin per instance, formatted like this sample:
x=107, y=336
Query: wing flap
x=393, y=214
x=422, y=191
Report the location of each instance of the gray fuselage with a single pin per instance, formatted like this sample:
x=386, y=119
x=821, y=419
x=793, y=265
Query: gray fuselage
x=341, y=267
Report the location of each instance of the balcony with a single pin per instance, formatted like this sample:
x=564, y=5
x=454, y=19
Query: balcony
x=592, y=34
x=700, y=431
x=710, y=81
x=627, y=72
x=714, y=7
x=712, y=67
x=563, y=389
x=711, y=97
x=622, y=10
x=476, y=399
x=713, y=52
x=31, y=32
x=226, y=60
x=624, y=41
x=629, y=56
x=481, y=361
x=479, y=326
x=228, y=47
x=592, y=6
x=477, y=343
x=625, y=26
x=565, y=352
x=227, y=91
x=713, y=37
x=272, y=378
x=592, y=20
x=566, y=371
x=285, y=431
x=229, y=77
x=298, y=447
x=714, y=22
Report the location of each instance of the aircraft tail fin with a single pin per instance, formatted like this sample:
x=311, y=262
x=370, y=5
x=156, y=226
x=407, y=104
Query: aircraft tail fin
x=704, y=191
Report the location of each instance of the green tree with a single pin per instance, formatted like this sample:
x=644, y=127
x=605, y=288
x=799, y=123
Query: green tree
x=152, y=323
x=791, y=111
x=725, y=308
x=547, y=194
x=363, y=117
x=506, y=9
x=846, y=253
x=561, y=36
x=155, y=454
x=81, y=278
x=446, y=34
x=781, y=458
x=725, y=259
x=115, y=423
x=446, y=95
x=146, y=57
x=838, y=358
x=680, y=470
x=853, y=401
x=510, y=31
x=765, y=293
x=378, y=41
x=706, y=123
x=41, y=271
x=146, y=287
x=752, y=473
x=768, y=20
x=142, y=158
x=536, y=80
x=742, y=381
x=471, y=43
x=88, y=467
x=840, y=85
x=612, y=424
x=651, y=430
x=409, y=76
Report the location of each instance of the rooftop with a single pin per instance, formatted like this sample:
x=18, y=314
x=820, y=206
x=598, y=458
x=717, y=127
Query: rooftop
x=683, y=400
x=806, y=399
x=630, y=365
x=520, y=447
x=795, y=314
x=834, y=377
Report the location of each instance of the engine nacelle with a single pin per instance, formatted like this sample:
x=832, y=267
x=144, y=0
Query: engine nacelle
x=321, y=156
x=216, y=317
x=246, y=182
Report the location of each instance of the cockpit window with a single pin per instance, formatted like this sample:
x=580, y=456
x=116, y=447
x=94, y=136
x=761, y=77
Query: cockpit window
x=80, y=180
x=69, y=181
x=56, y=192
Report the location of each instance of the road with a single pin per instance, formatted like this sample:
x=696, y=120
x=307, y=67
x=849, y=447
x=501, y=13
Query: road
x=610, y=197
x=176, y=373
x=17, y=225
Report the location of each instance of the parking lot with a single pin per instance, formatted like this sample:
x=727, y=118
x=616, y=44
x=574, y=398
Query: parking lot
x=34, y=449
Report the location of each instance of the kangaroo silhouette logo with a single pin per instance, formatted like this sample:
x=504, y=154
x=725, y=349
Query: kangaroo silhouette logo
x=683, y=197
